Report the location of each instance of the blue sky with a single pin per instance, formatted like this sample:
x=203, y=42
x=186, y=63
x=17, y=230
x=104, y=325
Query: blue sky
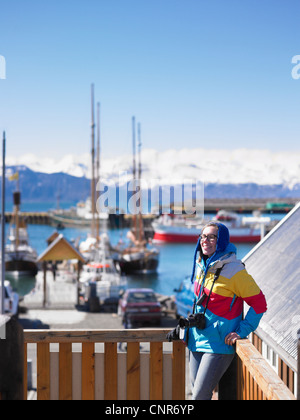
x=195, y=73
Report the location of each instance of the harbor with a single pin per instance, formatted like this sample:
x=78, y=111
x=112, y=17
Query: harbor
x=103, y=279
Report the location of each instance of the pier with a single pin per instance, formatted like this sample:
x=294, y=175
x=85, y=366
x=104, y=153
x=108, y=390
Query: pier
x=34, y=218
x=212, y=205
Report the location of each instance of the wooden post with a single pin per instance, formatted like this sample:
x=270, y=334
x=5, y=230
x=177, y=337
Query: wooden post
x=11, y=360
x=298, y=373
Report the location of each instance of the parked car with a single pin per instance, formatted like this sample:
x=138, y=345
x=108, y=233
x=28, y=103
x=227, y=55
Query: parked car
x=11, y=300
x=139, y=306
x=184, y=298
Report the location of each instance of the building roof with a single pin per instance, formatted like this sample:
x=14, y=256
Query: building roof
x=275, y=265
x=60, y=249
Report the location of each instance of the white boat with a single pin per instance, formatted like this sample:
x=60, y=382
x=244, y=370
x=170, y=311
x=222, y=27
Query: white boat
x=100, y=281
x=81, y=215
x=172, y=228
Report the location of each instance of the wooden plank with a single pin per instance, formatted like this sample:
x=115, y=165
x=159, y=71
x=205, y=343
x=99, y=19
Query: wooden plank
x=96, y=336
x=65, y=371
x=43, y=371
x=111, y=371
x=88, y=372
x=156, y=371
x=133, y=371
x=178, y=371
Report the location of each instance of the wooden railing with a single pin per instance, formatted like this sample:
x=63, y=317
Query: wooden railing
x=80, y=370
x=256, y=379
x=83, y=373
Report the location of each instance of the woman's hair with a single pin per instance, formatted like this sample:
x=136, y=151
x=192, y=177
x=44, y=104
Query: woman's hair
x=210, y=224
x=198, y=247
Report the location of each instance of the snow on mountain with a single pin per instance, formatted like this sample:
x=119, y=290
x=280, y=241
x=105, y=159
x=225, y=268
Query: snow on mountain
x=78, y=166
x=262, y=167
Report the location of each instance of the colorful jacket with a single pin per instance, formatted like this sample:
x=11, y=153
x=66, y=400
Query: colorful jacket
x=224, y=313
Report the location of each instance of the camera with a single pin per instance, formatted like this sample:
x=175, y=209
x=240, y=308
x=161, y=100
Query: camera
x=196, y=320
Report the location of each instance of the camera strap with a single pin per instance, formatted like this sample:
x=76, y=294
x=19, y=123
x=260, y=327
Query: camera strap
x=203, y=296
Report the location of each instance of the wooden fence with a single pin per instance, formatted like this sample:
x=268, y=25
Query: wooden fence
x=73, y=372
x=78, y=364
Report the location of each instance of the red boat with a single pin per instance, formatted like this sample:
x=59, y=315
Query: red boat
x=179, y=229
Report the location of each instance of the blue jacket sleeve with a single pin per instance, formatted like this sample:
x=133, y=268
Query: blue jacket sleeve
x=249, y=324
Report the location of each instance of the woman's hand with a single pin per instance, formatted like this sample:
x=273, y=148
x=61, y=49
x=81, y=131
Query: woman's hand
x=231, y=338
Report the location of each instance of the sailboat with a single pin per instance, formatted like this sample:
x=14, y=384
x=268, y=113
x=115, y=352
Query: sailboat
x=137, y=258
x=101, y=282
x=20, y=257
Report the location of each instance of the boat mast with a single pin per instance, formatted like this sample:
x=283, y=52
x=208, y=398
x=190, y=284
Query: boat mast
x=93, y=162
x=140, y=219
x=134, y=176
x=3, y=229
x=98, y=168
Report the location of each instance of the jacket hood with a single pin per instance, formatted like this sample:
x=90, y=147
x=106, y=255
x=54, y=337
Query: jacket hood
x=223, y=247
x=223, y=237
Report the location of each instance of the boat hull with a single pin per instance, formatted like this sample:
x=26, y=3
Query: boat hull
x=139, y=265
x=19, y=268
x=192, y=237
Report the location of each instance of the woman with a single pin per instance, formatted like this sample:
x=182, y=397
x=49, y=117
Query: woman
x=222, y=285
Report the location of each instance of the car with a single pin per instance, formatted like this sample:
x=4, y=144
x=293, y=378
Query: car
x=11, y=300
x=184, y=298
x=139, y=307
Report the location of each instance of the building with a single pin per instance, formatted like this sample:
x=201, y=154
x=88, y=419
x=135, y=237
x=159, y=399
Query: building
x=275, y=265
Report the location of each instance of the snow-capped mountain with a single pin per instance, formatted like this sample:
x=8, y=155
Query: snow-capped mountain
x=242, y=166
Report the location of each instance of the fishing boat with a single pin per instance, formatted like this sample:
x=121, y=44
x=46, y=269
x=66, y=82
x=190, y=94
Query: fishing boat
x=177, y=228
x=20, y=257
x=139, y=257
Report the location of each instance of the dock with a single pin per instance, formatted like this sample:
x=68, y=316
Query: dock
x=34, y=218
x=212, y=205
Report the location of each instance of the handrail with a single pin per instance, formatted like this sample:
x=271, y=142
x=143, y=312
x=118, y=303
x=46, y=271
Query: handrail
x=96, y=336
x=256, y=379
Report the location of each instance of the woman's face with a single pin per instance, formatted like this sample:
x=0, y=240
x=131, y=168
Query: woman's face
x=209, y=240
